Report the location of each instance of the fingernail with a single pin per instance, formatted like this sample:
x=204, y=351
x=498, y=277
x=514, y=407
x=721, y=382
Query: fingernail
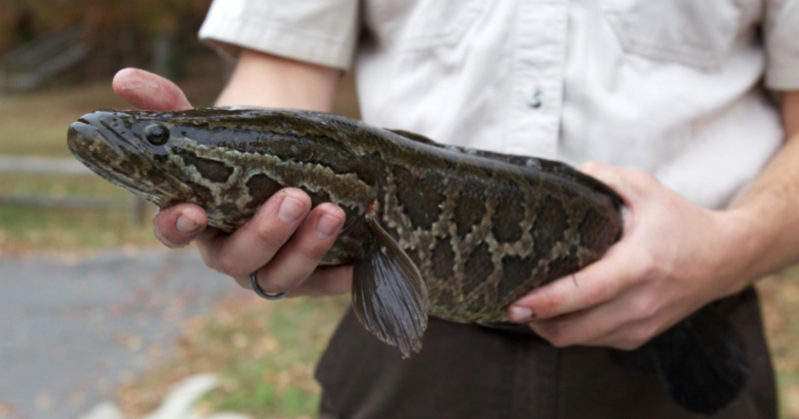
x=186, y=225
x=327, y=226
x=518, y=314
x=290, y=210
x=163, y=239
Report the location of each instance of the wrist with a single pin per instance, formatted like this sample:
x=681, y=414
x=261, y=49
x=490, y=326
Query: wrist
x=742, y=248
x=266, y=80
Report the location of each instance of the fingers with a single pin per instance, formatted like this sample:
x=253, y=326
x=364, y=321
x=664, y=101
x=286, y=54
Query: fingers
x=333, y=280
x=622, y=265
x=176, y=226
x=284, y=241
x=595, y=284
x=146, y=90
x=582, y=328
x=256, y=242
x=597, y=325
x=632, y=185
x=606, y=325
x=300, y=256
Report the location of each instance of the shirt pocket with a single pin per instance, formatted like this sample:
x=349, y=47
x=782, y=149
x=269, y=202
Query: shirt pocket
x=436, y=24
x=699, y=33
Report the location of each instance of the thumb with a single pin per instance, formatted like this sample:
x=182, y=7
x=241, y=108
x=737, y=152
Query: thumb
x=632, y=185
x=146, y=90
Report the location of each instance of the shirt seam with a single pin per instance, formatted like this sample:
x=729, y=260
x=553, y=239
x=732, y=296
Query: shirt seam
x=241, y=31
x=783, y=76
x=266, y=21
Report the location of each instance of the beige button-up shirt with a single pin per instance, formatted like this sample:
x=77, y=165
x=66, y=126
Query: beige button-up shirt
x=676, y=88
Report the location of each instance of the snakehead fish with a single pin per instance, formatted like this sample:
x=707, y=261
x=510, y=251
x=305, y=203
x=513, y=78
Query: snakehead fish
x=447, y=231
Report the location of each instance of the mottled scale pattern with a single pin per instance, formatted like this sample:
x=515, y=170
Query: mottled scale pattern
x=483, y=228
x=499, y=234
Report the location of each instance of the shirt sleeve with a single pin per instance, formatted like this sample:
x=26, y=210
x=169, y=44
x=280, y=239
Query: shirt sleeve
x=317, y=31
x=781, y=32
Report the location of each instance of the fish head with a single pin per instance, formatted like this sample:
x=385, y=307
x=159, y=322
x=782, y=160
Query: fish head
x=147, y=153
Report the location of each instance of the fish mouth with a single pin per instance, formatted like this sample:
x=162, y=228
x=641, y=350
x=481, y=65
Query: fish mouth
x=98, y=126
x=79, y=132
x=84, y=141
x=91, y=145
x=87, y=142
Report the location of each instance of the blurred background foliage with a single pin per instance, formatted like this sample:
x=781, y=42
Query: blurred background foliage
x=157, y=34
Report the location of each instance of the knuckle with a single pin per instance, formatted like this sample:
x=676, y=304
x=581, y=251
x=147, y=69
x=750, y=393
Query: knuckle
x=655, y=269
x=272, y=284
x=316, y=251
x=645, y=307
x=312, y=250
x=649, y=267
x=268, y=236
x=230, y=267
x=599, y=292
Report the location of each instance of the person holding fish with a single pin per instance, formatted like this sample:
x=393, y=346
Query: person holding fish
x=688, y=110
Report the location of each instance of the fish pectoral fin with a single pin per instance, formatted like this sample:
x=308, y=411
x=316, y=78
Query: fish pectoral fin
x=701, y=362
x=389, y=296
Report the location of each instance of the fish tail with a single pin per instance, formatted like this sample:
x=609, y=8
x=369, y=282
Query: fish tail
x=701, y=361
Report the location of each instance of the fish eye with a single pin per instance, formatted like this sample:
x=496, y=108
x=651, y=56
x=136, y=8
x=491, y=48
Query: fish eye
x=156, y=134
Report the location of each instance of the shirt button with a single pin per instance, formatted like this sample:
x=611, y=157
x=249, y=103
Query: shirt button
x=535, y=101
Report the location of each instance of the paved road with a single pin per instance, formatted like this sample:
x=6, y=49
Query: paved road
x=70, y=332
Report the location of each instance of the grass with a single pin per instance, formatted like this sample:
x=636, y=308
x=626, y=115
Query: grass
x=264, y=352
x=25, y=228
x=780, y=294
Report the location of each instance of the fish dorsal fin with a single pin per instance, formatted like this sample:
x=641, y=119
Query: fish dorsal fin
x=389, y=296
x=516, y=160
x=415, y=137
x=553, y=167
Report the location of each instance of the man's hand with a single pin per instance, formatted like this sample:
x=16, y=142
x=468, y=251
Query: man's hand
x=284, y=241
x=669, y=263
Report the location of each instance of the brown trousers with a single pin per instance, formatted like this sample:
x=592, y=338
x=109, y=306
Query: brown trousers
x=468, y=371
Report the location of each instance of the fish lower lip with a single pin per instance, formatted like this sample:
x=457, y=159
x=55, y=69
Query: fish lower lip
x=81, y=128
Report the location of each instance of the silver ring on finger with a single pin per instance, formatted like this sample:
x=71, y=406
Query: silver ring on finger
x=260, y=291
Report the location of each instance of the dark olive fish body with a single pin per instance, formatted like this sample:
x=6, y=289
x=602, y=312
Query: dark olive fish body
x=431, y=229
x=482, y=228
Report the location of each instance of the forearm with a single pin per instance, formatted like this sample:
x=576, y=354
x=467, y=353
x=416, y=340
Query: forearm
x=270, y=81
x=766, y=217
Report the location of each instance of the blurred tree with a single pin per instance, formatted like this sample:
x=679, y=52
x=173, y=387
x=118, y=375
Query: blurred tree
x=149, y=33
